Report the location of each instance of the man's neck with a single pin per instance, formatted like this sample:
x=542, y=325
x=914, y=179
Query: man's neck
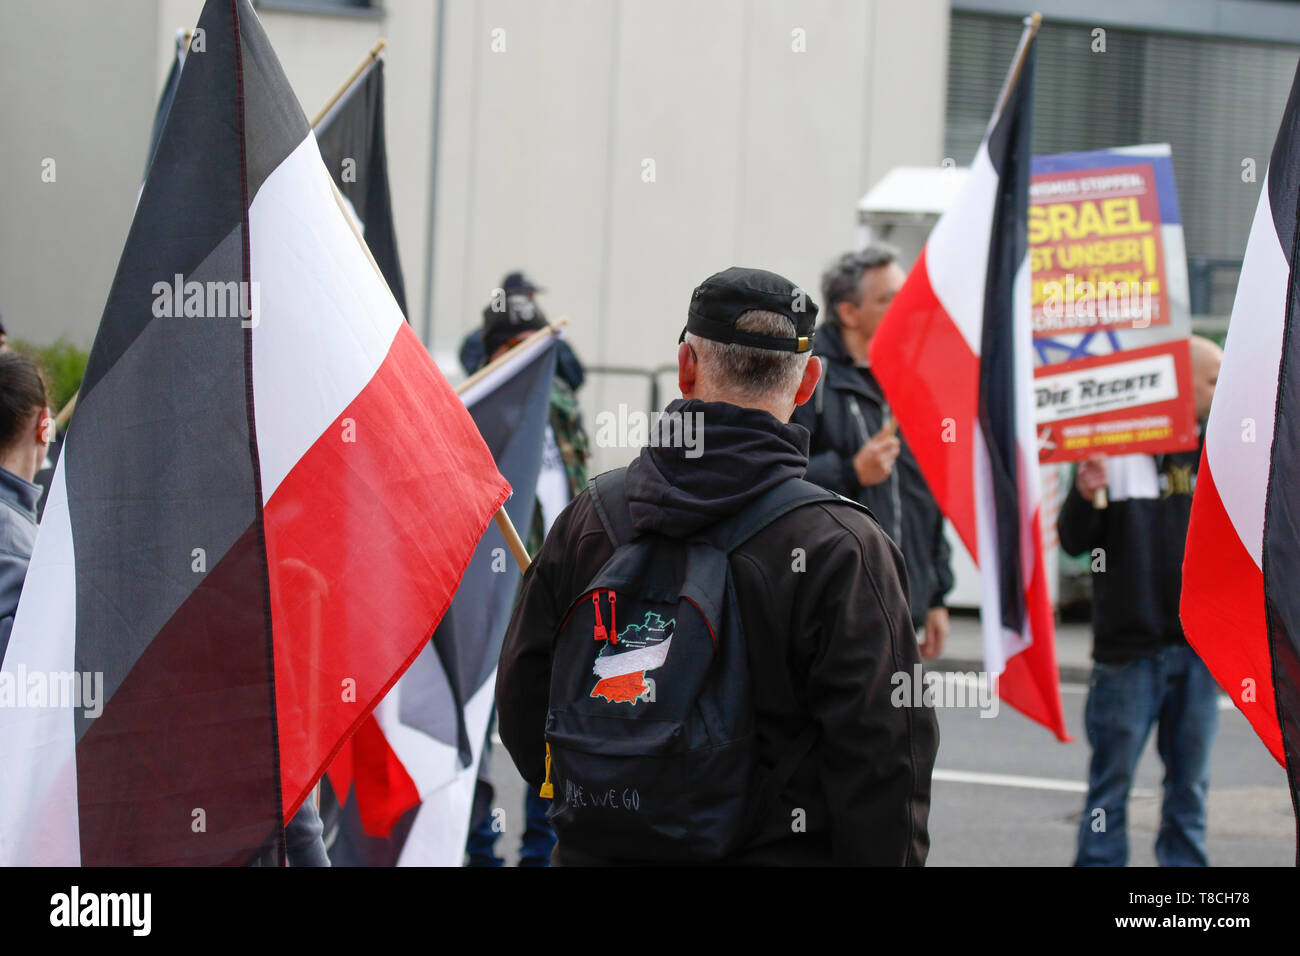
x=18, y=462
x=859, y=348
x=780, y=413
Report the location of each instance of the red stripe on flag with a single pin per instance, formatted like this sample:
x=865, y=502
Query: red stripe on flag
x=931, y=378
x=1222, y=610
x=1031, y=682
x=367, y=539
x=385, y=791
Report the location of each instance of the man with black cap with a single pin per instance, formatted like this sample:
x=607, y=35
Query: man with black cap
x=820, y=595
x=473, y=356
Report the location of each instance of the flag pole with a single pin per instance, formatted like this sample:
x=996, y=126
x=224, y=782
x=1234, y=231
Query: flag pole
x=1032, y=23
x=66, y=411
x=347, y=84
x=552, y=328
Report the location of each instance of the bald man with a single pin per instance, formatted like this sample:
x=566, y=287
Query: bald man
x=1144, y=673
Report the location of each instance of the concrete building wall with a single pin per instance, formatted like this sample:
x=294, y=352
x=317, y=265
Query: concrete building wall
x=759, y=151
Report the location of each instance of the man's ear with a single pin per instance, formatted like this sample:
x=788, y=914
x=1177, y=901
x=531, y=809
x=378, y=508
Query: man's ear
x=847, y=313
x=812, y=374
x=687, y=367
x=44, y=426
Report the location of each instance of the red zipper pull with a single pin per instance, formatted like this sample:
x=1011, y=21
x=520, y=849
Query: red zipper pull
x=613, y=627
x=599, y=631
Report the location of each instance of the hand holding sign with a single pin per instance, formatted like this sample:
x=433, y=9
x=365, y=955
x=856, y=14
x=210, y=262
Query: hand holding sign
x=1090, y=477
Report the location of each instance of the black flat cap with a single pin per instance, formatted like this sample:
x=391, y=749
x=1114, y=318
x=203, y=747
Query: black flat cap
x=724, y=297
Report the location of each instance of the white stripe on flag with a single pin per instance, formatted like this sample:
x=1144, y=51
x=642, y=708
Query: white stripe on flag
x=958, y=250
x=995, y=643
x=441, y=826
x=326, y=319
x=1027, y=472
x=1246, y=395
x=38, y=748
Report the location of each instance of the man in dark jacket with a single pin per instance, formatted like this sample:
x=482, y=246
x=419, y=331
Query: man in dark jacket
x=854, y=448
x=821, y=590
x=1144, y=671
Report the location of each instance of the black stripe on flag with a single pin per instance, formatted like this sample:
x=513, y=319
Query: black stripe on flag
x=1009, y=151
x=1284, y=173
x=165, y=101
x=512, y=420
x=172, y=596
x=1281, y=546
x=354, y=130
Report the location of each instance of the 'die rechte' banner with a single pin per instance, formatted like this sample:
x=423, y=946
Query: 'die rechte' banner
x=1110, y=305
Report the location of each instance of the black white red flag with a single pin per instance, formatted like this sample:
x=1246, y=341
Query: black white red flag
x=1240, y=603
x=409, y=773
x=954, y=355
x=265, y=502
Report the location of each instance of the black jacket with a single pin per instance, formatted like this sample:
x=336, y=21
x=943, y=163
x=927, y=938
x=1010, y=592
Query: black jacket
x=847, y=409
x=824, y=642
x=1135, y=549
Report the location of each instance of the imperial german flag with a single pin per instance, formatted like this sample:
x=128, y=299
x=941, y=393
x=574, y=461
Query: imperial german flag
x=265, y=503
x=953, y=354
x=1240, y=607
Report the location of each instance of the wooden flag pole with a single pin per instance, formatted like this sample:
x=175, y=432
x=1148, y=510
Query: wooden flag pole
x=1032, y=23
x=347, y=84
x=512, y=538
x=552, y=328
x=66, y=411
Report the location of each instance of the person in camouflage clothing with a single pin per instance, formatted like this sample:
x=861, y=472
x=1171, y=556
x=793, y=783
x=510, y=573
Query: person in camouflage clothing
x=571, y=439
x=503, y=328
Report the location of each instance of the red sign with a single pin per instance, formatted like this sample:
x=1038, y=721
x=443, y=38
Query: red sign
x=1116, y=404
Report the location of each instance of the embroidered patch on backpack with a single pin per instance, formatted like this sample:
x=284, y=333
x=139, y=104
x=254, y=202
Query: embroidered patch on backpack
x=623, y=662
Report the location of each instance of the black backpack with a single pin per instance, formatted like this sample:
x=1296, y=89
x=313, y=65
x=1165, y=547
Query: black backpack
x=650, y=728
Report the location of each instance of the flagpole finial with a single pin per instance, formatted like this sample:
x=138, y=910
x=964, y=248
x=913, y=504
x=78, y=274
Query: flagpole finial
x=1034, y=21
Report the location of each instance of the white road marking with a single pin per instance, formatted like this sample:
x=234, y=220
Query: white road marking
x=1027, y=783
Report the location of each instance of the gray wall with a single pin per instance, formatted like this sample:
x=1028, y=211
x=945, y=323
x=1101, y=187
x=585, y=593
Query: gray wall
x=77, y=85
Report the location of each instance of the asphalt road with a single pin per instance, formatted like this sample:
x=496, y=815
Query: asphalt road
x=1006, y=793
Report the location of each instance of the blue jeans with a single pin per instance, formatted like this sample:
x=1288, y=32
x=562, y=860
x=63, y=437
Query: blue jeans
x=538, y=840
x=1172, y=689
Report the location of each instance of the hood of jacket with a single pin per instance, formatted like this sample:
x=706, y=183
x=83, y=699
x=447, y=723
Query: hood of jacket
x=738, y=453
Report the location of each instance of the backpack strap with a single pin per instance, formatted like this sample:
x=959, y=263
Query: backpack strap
x=732, y=532
x=609, y=495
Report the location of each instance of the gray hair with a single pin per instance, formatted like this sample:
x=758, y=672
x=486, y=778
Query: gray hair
x=840, y=281
x=750, y=372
